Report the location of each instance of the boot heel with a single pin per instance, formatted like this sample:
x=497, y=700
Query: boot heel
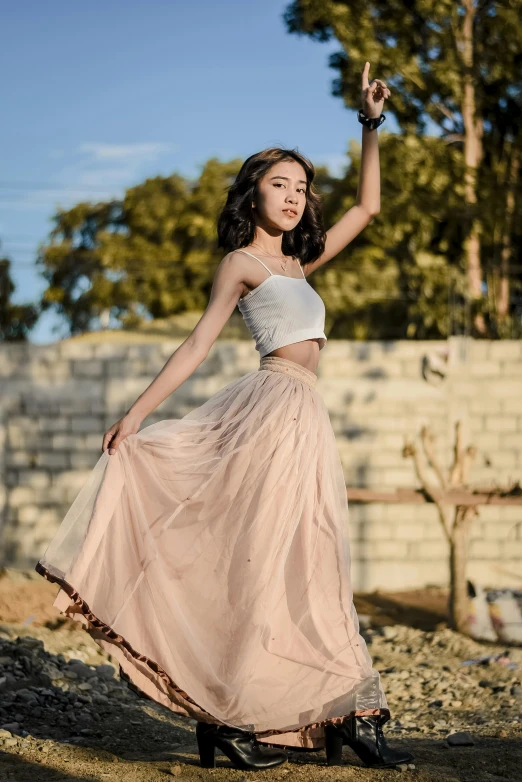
x=333, y=745
x=240, y=746
x=206, y=746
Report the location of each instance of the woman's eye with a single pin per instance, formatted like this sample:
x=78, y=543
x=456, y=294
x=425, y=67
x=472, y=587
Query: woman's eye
x=277, y=184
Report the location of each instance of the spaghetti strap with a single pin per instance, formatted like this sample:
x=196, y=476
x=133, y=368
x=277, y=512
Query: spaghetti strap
x=302, y=270
x=257, y=259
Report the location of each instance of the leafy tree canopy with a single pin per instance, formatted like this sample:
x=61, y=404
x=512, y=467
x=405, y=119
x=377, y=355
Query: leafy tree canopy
x=16, y=320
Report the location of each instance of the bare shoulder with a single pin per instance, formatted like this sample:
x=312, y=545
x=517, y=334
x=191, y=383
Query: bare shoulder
x=231, y=271
x=234, y=266
x=232, y=261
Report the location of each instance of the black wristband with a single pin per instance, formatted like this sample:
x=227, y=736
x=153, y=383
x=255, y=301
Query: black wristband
x=370, y=122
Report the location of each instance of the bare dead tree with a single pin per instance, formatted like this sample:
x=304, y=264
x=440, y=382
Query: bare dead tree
x=456, y=520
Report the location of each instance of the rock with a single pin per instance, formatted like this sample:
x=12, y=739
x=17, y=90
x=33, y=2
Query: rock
x=401, y=767
x=11, y=726
x=460, y=739
x=80, y=669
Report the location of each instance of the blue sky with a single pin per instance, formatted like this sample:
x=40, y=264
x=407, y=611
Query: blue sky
x=97, y=97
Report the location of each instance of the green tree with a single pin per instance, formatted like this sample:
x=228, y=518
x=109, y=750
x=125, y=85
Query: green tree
x=459, y=65
x=16, y=320
x=150, y=255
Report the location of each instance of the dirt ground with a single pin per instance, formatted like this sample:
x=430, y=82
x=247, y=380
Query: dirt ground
x=132, y=739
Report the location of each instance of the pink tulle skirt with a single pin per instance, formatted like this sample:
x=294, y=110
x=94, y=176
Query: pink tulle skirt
x=209, y=556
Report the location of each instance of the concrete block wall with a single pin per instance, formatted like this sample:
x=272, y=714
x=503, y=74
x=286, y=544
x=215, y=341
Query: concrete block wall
x=57, y=400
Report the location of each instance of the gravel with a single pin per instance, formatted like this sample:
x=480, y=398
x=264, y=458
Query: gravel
x=64, y=706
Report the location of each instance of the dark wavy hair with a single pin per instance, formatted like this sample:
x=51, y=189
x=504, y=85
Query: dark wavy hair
x=236, y=225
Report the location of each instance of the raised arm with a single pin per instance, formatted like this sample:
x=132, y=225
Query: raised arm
x=227, y=287
x=368, y=193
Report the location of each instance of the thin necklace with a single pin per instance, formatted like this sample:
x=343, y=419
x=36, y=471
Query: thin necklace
x=283, y=266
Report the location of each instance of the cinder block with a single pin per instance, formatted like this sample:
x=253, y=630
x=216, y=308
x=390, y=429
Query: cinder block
x=21, y=495
x=86, y=459
x=72, y=479
x=464, y=388
x=511, y=368
x=91, y=368
x=389, y=549
x=52, y=459
x=483, y=404
x=485, y=368
x=68, y=441
x=506, y=349
x=488, y=441
x=431, y=550
x=392, y=440
x=433, y=529
x=500, y=423
x=404, y=477
x=53, y=424
x=368, y=575
x=87, y=424
x=20, y=459
x=502, y=459
x=78, y=350
x=49, y=517
x=367, y=512
x=484, y=549
x=373, y=531
x=505, y=389
x=512, y=549
x=500, y=530
x=513, y=405
x=35, y=479
x=28, y=514
x=402, y=512
x=409, y=532
x=412, y=368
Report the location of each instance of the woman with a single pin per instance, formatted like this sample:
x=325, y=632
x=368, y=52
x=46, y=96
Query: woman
x=208, y=554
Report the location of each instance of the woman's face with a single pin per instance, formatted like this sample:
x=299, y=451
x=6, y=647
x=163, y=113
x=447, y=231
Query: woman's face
x=281, y=196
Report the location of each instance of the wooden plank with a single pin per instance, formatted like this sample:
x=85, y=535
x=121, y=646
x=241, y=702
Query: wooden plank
x=450, y=497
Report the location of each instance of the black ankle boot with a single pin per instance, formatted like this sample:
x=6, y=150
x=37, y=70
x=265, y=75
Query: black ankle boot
x=365, y=736
x=240, y=746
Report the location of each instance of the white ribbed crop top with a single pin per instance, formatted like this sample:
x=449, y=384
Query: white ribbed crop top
x=282, y=310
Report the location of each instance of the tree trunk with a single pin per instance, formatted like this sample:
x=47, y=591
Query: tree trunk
x=458, y=600
x=473, y=152
x=503, y=293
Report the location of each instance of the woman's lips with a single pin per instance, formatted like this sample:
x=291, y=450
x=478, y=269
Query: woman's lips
x=290, y=212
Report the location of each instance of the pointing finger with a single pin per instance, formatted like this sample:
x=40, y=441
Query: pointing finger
x=365, y=72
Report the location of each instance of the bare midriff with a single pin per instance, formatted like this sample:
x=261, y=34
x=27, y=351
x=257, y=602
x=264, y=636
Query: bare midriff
x=305, y=353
